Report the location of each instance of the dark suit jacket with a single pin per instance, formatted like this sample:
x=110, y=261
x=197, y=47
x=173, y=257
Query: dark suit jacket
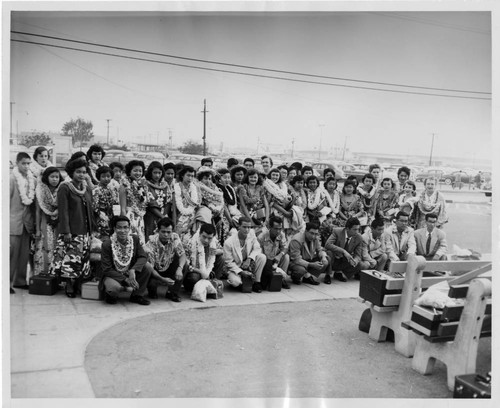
x=336, y=241
x=138, y=261
x=72, y=209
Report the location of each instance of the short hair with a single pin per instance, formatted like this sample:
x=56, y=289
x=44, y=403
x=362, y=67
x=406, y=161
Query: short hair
x=249, y=159
x=22, y=155
x=116, y=219
x=431, y=215
x=387, y=179
x=283, y=166
x=204, y=174
x=354, y=179
x=168, y=166
x=223, y=171
x=47, y=172
x=38, y=151
x=184, y=170
x=237, y=169
x=404, y=169
x=311, y=178
x=103, y=170
x=267, y=157
x=78, y=155
x=401, y=214
x=307, y=168
x=328, y=180
x=328, y=170
x=164, y=222
x=312, y=225
x=274, y=219
x=296, y=179
x=72, y=165
x=207, y=160
x=154, y=165
x=244, y=219
x=411, y=183
x=177, y=168
x=113, y=165
x=368, y=176
x=134, y=163
x=274, y=170
x=373, y=166
x=207, y=229
x=297, y=165
x=292, y=168
x=251, y=172
x=377, y=222
x=348, y=183
x=232, y=162
x=95, y=148
x=351, y=222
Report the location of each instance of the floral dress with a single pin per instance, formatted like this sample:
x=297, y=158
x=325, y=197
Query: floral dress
x=254, y=200
x=46, y=202
x=103, y=200
x=213, y=198
x=349, y=208
x=299, y=205
x=278, y=193
x=157, y=198
x=385, y=204
x=187, y=200
x=136, y=206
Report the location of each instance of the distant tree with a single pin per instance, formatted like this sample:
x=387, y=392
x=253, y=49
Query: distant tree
x=36, y=139
x=191, y=147
x=80, y=130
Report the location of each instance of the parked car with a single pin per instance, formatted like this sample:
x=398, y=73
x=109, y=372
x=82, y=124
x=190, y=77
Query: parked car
x=119, y=156
x=320, y=166
x=193, y=160
x=148, y=157
x=434, y=173
x=450, y=178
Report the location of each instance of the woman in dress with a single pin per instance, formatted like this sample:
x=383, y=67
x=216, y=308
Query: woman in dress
x=238, y=174
x=317, y=208
x=332, y=197
x=385, y=202
x=299, y=205
x=76, y=223
x=40, y=162
x=232, y=214
x=253, y=200
x=95, y=154
x=104, y=199
x=375, y=170
x=133, y=197
x=366, y=192
x=156, y=197
x=169, y=176
x=212, y=198
x=408, y=198
x=187, y=196
x=430, y=201
x=350, y=203
x=91, y=182
x=278, y=197
x=328, y=173
x=46, y=218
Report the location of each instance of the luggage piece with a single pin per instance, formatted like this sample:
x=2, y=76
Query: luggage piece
x=247, y=283
x=472, y=386
x=90, y=290
x=275, y=282
x=373, y=287
x=43, y=285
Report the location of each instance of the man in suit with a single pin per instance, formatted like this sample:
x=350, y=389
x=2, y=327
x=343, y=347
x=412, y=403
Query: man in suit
x=431, y=241
x=399, y=238
x=243, y=256
x=345, y=248
x=307, y=256
x=374, y=251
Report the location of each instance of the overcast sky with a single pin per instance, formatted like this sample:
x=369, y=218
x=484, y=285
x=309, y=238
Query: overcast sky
x=450, y=50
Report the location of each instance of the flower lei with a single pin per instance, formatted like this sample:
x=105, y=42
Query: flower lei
x=300, y=198
x=314, y=199
x=26, y=186
x=37, y=169
x=213, y=197
x=251, y=200
x=159, y=191
x=191, y=196
x=47, y=200
x=136, y=195
x=122, y=254
x=366, y=194
x=428, y=203
x=275, y=190
x=73, y=188
x=334, y=203
x=197, y=254
x=159, y=256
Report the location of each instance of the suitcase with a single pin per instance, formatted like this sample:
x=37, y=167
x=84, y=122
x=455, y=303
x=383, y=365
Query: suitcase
x=374, y=286
x=43, y=285
x=247, y=283
x=472, y=386
x=275, y=282
x=90, y=290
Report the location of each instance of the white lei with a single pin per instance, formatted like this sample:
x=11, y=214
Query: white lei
x=122, y=255
x=314, y=199
x=213, y=196
x=275, y=190
x=197, y=255
x=23, y=186
x=194, y=198
x=335, y=204
x=37, y=169
x=46, y=199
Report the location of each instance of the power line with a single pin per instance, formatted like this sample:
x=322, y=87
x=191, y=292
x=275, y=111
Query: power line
x=246, y=73
x=247, y=66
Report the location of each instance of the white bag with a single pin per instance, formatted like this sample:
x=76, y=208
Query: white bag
x=201, y=289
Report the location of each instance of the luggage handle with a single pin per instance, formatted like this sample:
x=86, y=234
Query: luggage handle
x=484, y=380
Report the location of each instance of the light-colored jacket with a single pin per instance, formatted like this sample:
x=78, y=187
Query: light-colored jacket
x=373, y=248
x=233, y=256
x=438, y=245
x=300, y=251
x=19, y=214
x=398, y=251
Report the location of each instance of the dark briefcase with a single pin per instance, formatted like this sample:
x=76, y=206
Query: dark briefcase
x=43, y=285
x=275, y=282
x=472, y=386
x=247, y=283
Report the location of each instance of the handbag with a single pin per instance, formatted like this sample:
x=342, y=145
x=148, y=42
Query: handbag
x=219, y=287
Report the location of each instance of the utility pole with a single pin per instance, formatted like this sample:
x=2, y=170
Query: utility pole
x=343, y=152
x=321, y=126
x=170, y=137
x=11, y=138
x=108, y=131
x=204, y=111
x=432, y=148
x=293, y=145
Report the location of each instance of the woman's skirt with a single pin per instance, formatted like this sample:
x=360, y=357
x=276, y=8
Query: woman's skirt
x=72, y=260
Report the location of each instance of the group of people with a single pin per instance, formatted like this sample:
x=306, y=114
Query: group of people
x=175, y=225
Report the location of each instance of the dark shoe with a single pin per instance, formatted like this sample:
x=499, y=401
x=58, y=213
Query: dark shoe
x=310, y=280
x=328, y=279
x=69, y=289
x=139, y=300
x=109, y=299
x=174, y=297
x=152, y=293
x=257, y=287
x=340, y=276
x=357, y=277
x=285, y=284
x=26, y=287
x=12, y=291
x=296, y=281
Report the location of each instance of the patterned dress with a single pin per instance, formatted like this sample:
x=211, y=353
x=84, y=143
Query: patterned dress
x=187, y=199
x=157, y=198
x=103, y=200
x=46, y=202
x=136, y=205
x=349, y=208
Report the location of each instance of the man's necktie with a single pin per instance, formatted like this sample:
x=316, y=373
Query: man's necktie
x=346, y=243
x=428, y=244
